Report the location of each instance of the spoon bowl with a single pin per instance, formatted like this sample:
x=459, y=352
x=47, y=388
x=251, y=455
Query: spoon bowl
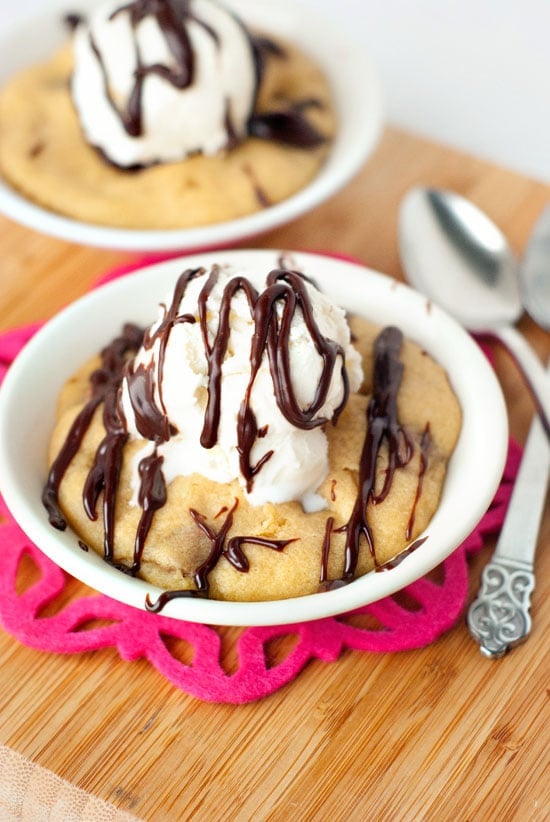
x=454, y=254
x=459, y=258
x=535, y=272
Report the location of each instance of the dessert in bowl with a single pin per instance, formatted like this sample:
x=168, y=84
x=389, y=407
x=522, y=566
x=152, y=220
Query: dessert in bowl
x=176, y=124
x=242, y=512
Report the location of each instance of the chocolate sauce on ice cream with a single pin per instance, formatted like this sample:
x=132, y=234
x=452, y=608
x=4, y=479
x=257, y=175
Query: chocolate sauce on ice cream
x=183, y=69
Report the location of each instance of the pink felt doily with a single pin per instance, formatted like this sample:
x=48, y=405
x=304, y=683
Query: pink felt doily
x=86, y=622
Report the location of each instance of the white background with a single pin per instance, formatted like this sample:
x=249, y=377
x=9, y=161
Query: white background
x=474, y=74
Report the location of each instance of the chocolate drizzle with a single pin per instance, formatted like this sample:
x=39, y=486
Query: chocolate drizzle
x=171, y=16
x=271, y=335
x=272, y=312
x=220, y=546
x=104, y=475
x=382, y=426
x=152, y=496
x=73, y=19
x=290, y=127
x=104, y=385
x=425, y=443
x=230, y=549
x=395, y=561
x=151, y=421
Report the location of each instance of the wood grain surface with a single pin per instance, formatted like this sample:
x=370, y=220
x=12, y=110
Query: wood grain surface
x=439, y=733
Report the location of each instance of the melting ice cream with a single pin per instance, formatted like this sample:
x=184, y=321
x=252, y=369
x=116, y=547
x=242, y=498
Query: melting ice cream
x=237, y=379
x=158, y=80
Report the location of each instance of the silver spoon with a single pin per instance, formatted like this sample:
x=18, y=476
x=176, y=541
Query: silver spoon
x=484, y=267
x=455, y=255
x=499, y=617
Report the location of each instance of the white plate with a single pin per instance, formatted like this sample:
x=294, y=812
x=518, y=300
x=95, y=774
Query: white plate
x=358, y=108
x=29, y=393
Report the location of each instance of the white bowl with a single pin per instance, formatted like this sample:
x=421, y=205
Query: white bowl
x=29, y=393
x=358, y=108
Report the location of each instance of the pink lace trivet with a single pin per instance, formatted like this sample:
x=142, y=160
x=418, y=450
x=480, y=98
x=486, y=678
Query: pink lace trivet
x=412, y=619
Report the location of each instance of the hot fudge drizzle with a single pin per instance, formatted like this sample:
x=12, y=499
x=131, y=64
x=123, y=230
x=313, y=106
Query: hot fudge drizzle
x=382, y=425
x=104, y=386
x=270, y=338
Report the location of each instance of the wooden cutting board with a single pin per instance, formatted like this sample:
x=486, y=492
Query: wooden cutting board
x=439, y=733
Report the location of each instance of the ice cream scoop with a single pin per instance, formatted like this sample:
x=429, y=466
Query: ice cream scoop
x=237, y=379
x=157, y=80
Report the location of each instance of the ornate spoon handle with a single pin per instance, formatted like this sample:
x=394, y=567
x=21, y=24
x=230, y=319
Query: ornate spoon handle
x=499, y=618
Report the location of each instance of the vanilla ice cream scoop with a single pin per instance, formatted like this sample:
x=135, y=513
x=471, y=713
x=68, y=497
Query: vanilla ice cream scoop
x=238, y=377
x=157, y=80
